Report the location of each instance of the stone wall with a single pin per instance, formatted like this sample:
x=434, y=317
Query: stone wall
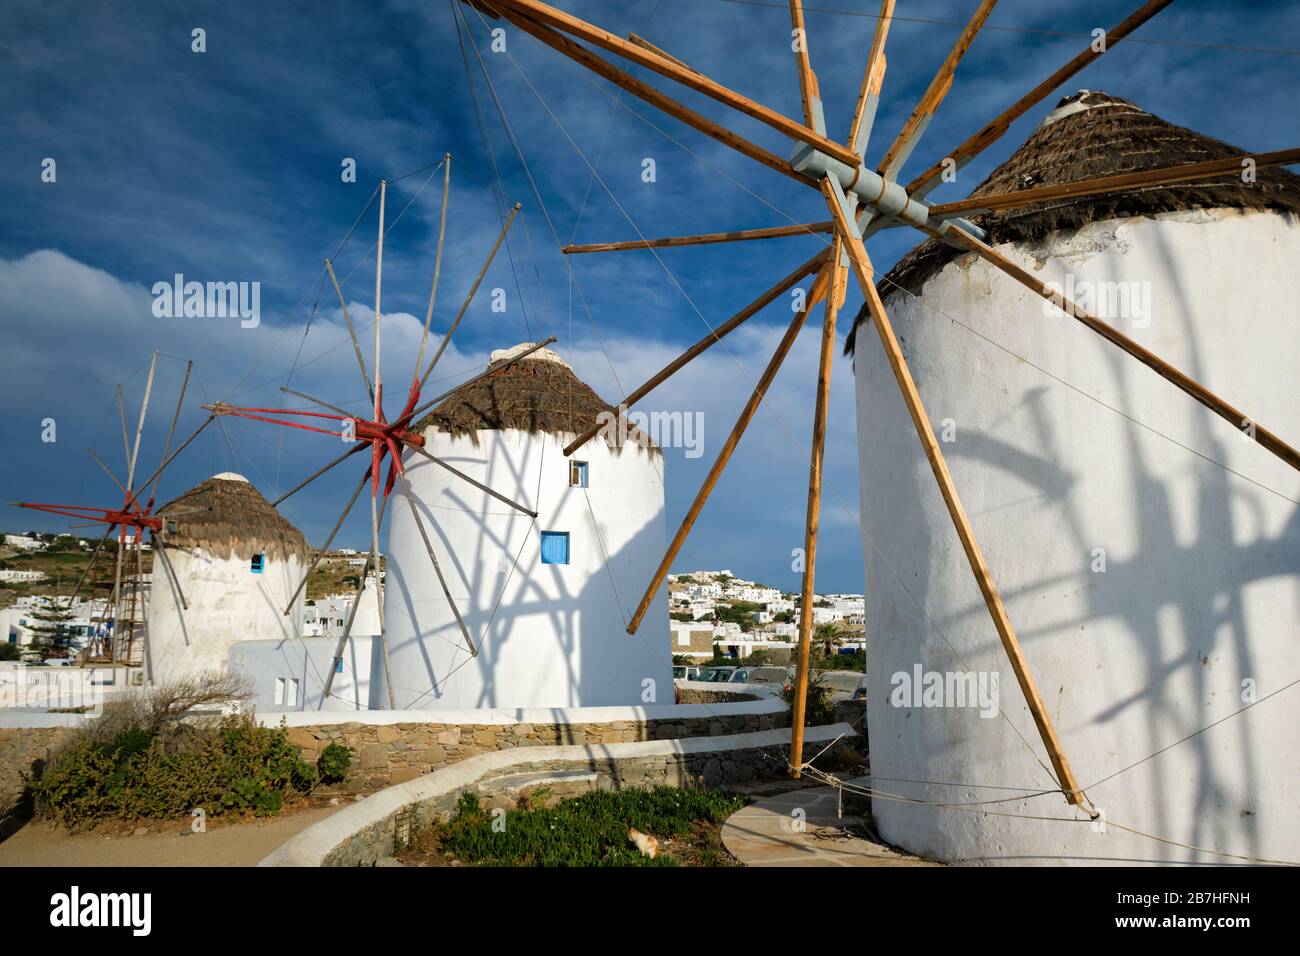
x=23, y=750
x=387, y=754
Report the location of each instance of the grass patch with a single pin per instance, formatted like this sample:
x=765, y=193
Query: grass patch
x=590, y=830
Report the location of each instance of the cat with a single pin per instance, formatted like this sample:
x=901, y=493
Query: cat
x=647, y=844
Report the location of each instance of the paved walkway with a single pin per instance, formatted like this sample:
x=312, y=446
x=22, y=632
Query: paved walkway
x=764, y=834
x=170, y=844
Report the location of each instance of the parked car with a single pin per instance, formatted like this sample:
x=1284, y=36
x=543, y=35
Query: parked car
x=860, y=692
x=686, y=672
x=725, y=674
x=842, y=684
x=771, y=675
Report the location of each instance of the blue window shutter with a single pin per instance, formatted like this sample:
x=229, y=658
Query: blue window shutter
x=555, y=547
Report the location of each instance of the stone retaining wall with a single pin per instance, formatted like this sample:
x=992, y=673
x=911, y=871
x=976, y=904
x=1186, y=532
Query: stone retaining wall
x=387, y=754
x=23, y=750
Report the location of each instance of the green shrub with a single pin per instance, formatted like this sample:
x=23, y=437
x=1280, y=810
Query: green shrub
x=590, y=830
x=334, y=762
x=818, y=707
x=234, y=764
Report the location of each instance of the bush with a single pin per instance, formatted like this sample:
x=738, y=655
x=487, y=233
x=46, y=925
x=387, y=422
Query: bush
x=818, y=709
x=235, y=765
x=590, y=830
x=334, y=762
x=141, y=759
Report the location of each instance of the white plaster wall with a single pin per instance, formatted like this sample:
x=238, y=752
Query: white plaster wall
x=358, y=686
x=1202, y=584
x=227, y=604
x=549, y=635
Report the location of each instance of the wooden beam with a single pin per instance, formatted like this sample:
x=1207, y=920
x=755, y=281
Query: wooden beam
x=379, y=377
x=809, y=93
x=809, y=267
x=1233, y=416
x=916, y=124
x=873, y=78
x=729, y=446
x=992, y=131
x=139, y=428
x=372, y=557
x=834, y=299
x=311, y=568
x=437, y=569
x=558, y=19
x=1168, y=176
x=437, y=265
x=739, y=235
x=171, y=431
x=473, y=481
x=645, y=44
x=469, y=296
x=352, y=333
x=624, y=80
x=911, y=397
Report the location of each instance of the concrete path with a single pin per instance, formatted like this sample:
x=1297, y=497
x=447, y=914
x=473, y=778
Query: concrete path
x=765, y=833
x=170, y=844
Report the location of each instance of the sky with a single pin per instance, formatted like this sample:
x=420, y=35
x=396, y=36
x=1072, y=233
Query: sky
x=226, y=165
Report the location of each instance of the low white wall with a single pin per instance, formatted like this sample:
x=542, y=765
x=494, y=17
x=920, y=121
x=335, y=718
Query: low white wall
x=527, y=715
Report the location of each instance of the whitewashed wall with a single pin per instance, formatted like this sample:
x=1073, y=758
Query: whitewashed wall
x=1202, y=583
x=548, y=635
x=227, y=604
x=289, y=675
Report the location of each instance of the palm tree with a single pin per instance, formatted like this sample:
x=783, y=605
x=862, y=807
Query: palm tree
x=829, y=636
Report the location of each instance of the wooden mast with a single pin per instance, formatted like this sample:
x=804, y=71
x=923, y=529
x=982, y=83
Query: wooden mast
x=966, y=534
x=724, y=455
x=834, y=299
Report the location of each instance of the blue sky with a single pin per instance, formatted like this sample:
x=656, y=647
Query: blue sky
x=225, y=166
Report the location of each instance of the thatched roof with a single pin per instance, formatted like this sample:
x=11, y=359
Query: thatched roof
x=1087, y=135
x=540, y=393
x=226, y=515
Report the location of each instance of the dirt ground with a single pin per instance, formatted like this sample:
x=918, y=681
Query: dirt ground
x=167, y=844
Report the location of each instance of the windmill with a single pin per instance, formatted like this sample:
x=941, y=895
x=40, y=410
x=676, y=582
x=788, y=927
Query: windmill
x=125, y=614
x=382, y=438
x=862, y=201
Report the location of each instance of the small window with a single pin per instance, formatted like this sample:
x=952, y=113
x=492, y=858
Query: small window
x=257, y=563
x=555, y=547
x=291, y=692
x=578, y=474
x=338, y=666
x=279, y=692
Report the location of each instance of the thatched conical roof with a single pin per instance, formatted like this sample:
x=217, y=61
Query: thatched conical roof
x=539, y=393
x=225, y=516
x=1087, y=135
